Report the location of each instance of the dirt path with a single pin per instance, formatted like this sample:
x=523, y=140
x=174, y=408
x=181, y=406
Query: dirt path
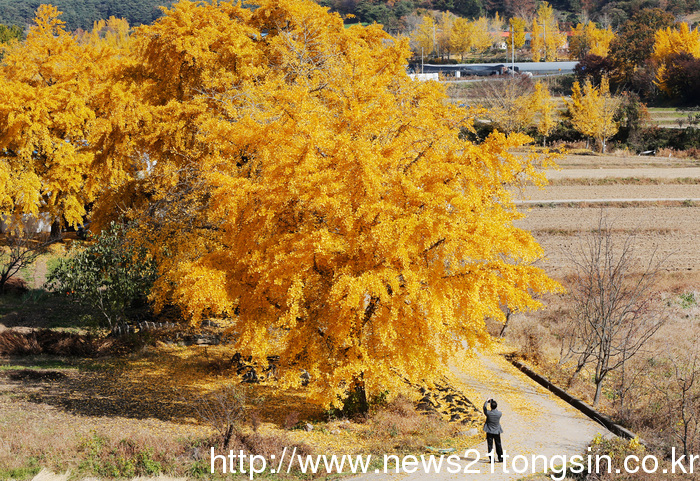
x=534, y=422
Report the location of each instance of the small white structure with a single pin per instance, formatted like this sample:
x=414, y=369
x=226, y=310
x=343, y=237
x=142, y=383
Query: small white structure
x=422, y=77
x=32, y=224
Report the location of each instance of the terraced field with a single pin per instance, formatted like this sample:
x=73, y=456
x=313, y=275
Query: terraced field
x=659, y=201
x=673, y=118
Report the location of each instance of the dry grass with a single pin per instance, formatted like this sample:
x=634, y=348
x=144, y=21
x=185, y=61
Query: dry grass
x=579, y=232
x=134, y=416
x=613, y=204
x=678, y=154
x=100, y=447
x=621, y=153
x=539, y=339
x=576, y=148
x=626, y=181
x=399, y=427
x=60, y=343
x=46, y=475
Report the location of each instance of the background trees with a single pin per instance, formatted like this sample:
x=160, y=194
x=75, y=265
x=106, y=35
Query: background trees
x=631, y=49
x=545, y=108
x=508, y=103
x=587, y=39
x=451, y=35
x=677, y=52
x=424, y=36
x=82, y=14
x=592, y=110
x=517, y=27
x=516, y=104
x=12, y=32
x=546, y=38
x=444, y=37
x=461, y=34
x=679, y=78
x=670, y=41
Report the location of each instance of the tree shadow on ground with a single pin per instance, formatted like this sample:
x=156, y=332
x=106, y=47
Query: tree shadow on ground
x=40, y=309
x=164, y=384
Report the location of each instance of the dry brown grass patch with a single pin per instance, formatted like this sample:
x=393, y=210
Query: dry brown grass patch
x=577, y=232
x=625, y=181
x=400, y=426
x=29, y=437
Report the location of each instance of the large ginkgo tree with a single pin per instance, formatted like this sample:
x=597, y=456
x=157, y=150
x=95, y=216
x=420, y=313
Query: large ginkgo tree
x=289, y=177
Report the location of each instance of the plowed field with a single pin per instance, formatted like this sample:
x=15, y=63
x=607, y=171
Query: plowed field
x=666, y=229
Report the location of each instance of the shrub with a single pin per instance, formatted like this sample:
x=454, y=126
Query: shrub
x=111, y=275
x=681, y=77
x=399, y=425
x=225, y=411
x=656, y=138
x=610, y=452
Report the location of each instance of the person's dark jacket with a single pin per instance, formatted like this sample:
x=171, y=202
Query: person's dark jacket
x=493, y=420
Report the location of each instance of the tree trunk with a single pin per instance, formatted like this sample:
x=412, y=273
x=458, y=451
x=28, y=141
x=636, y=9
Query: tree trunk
x=505, y=324
x=362, y=402
x=227, y=436
x=598, y=389
x=571, y=379
x=56, y=230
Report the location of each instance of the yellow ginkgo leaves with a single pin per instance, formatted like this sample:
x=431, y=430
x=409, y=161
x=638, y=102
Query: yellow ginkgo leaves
x=593, y=111
x=50, y=96
x=289, y=177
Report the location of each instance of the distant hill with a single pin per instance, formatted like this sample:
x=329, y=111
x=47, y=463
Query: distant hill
x=393, y=14
x=83, y=13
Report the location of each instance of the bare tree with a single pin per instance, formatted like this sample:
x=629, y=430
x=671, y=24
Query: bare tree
x=627, y=382
x=225, y=411
x=682, y=393
x=507, y=100
x=20, y=250
x=615, y=304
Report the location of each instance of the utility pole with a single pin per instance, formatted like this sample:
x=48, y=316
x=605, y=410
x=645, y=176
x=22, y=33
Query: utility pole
x=512, y=48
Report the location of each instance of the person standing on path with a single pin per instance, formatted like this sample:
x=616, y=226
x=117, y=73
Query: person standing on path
x=493, y=429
